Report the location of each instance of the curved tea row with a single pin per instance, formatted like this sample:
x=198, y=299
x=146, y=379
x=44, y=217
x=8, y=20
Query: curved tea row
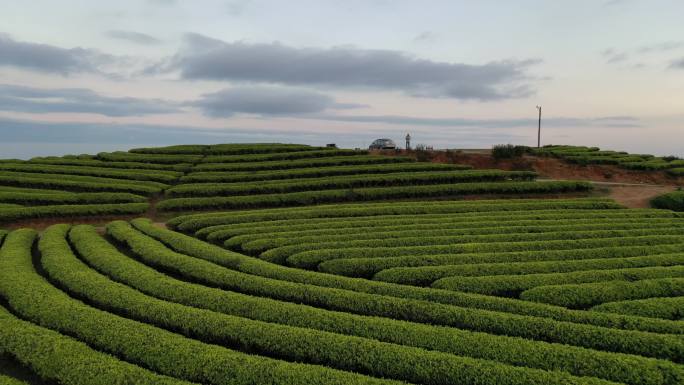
x=577, y=257
x=165, y=310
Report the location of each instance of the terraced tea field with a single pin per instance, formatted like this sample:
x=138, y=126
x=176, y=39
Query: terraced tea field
x=673, y=166
x=393, y=287
x=231, y=176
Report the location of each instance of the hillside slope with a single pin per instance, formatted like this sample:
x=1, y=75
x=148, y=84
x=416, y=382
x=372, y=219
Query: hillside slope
x=293, y=265
x=235, y=176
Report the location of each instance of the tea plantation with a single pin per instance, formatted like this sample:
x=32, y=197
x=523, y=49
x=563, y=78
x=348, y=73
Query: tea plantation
x=231, y=176
x=289, y=264
x=672, y=165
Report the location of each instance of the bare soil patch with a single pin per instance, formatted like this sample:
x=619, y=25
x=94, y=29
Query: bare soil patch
x=631, y=188
x=547, y=167
x=636, y=196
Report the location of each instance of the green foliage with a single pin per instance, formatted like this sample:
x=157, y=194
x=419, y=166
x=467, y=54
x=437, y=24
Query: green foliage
x=32, y=297
x=508, y=151
x=258, y=148
x=458, y=243
x=369, y=266
x=65, y=161
x=121, y=156
x=280, y=156
x=86, y=210
x=439, y=231
x=154, y=253
x=678, y=171
x=195, y=222
x=376, y=193
x=7, y=380
x=30, y=190
x=666, y=308
x=347, y=181
x=302, y=163
x=313, y=172
x=78, y=183
x=592, y=155
x=29, y=198
x=65, y=360
x=670, y=201
x=425, y=275
x=181, y=149
x=50, y=354
x=133, y=174
x=297, y=344
x=512, y=285
x=653, y=165
x=225, y=149
x=198, y=249
x=465, y=251
x=245, y=232
x=181, y=307
x=591, y=294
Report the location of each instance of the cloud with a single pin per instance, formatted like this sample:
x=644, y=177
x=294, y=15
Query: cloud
x=615, y=3
x=77, y=100
x=661, y=47
x=609, y=121
x=26, y=138
x=48, y=58
x=21, y=130
x=263, y=100
x=677, y=64
x=622, y=118
x=162, y=2
x=425, y=36
x=613, y=56
x=275, y=63
x=134, y=37
x=237, y=7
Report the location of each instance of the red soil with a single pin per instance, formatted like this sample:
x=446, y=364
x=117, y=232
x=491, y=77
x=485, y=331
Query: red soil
x=629, y=187
x=553, y=168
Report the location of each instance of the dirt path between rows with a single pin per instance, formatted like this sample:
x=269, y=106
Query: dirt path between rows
x=633, y=189
x=634, y=195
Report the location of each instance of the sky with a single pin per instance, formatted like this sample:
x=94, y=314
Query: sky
x=90, y=76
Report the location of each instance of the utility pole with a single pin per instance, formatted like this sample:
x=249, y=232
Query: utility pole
x=539, y=128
